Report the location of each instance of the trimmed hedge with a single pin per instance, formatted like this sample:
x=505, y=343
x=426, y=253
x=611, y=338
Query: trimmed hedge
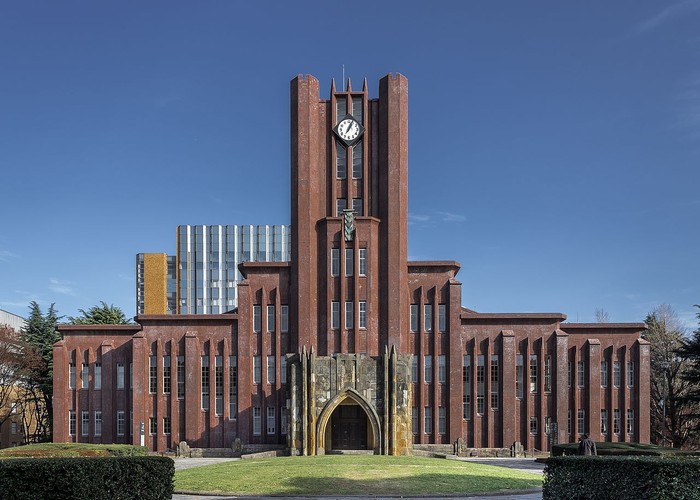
x=638, y=449
x=87, y=478
x=633, y=478
x=62, y=450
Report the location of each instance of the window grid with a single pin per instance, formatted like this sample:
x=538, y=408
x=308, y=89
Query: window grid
x=205, y=382
x=414, y=317
x=257, y=370
x=442, y=369
x=494, y=382
x=519, y=374
x=98, y=423
x=271, y=370
x=120, y=375
x=604, y=373
x=121, y=423
x=442, y=318
x=349, y=315
x=257, y=319
x=270, y=318
x=232, y=387
x=270, y=420
x=362, y=262
x=428, y=317
x=363, y=314
x=257, y=421
x=84, y=423
x=84, y=374
x=428, y=420
x=442, y=420
x=219, y=385
x=480, y=384
x=153, y=374
x=180, y=377
x=548, y=374
x=335, y=315
x=616, y=374
x=533, y=373
x=428, y=369
x=466, y=387
x=166, y=374
x=349, y=259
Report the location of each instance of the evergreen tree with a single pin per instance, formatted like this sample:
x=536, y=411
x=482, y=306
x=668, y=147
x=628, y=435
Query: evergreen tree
x=41, y=334
x=691, y=351
x=100, y=315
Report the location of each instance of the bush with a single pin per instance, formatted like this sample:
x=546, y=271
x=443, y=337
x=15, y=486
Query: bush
x=634, y=478
x=46, y=450
x=87, y=478
x=630, y=449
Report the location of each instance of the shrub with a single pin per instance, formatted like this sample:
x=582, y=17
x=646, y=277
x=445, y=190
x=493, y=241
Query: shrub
x=634, y=478
x=87, y=478
x=633, y=449
x=46, y=450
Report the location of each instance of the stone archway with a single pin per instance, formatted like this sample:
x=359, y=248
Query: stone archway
x=348, y=397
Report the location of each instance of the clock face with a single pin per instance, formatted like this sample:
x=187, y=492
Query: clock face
x=348, y=130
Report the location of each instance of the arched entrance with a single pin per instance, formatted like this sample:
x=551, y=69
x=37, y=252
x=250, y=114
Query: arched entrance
x=348, y=422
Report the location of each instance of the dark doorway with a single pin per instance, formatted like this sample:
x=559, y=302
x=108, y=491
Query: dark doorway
x=349, y=428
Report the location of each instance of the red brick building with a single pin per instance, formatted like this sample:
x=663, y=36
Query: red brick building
x=350, y=345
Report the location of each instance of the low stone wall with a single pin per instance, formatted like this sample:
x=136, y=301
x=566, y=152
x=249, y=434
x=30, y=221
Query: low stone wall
x=237, y=450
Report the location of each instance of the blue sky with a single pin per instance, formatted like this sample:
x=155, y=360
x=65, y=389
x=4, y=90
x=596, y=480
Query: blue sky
x=554, y=147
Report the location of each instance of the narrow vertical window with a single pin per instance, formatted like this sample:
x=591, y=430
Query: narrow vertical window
x=414, y=317
x=84, y=376
x=604, y=373
x=442, y=318
x=414, y=420
x=98, y=423
x=205, y=382
x=257, y=421
x=442, y=369
x=340, y=206
x=547, y=422
x=349, y=315
x=357, y=154
x=166, y=425
x=480, y=384
x=71, y=375
x=357, y=109
x=604, y=422
x=616, y=374
x=166, y=374
x=283, y=421
x=335, y=261
x=84, y=423
x=533, y=425
x=519, y=375
x=428, y=420
x=131, y=376
x=428, y=317
x=466, y=387
x=581, y=424
x=271, y=370
x=533, y=372
x=152, y=374
x=219, y=385
x=494, y=382
x=270, y=421
x=152, y=425
x=548, y=373
x=570, y=377
x=257, y=370
x=340, y=160
x=335, y=315
x=349, y=261
x=428, y=367
x=284, y=319
x=630, y=374
x=270, y=318
x=257, y=318
x=569, y=423
x=232, y=387
x=120, y=375
x=616, y=420
x=630, y=421
x=363, y=262
x=414, y=369
x=363, y=314
x=442, y=420
x=98, y=376
x=71, y=422
x=283, y=370
x=357, y=206
x=581, y=373
x=121, y=423
x=180, y=377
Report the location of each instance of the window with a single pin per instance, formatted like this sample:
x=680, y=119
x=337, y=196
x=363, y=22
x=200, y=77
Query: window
x=480, y=384
x=604, y=373
x=84, y=423
x=284, y=319
x=121, y=423
x=205, y=382
x=349, y=314
x=271, y=370
x=131, y=376
x=153, y=374
x=414, y=420
x=232, y=387
x=570, y=378
x=533, y=425
x=131, y=420
x=603, y=422
x=357, y=153
x=71, y=375
x=270, y=318
x=340, y=206
x=616, y=374
x=428, y=367
x=98, y=423
x=466, y=387
x=257, y=424
x=340, y=160
x=120, y=375
x=335, y=315
x=357, y=205
x=363, y=262
x=581, y=424
x=13, y=428
x=349, y=261
x=152, y=425
x=414, y=369
x=581, y=374
x=335, y=261
x=283, y=371
x=533, y=372
x=363, y=314
x=71, y=421
x=442, y=420
x=180, y=377
x=519, y=368
x=568, y=423
x=283, y=421
x=84, y=376
x=166, y=425
x=257, y=370
x=494, y=382
x=547, y=426
x=616, y=420
x=98, y=376
x=414, y=317
x=442, y=369
x=428, y=420
x=270, y=420
x=257, y=318
x=630, y=421
x=218, y=385
x=428, y=317
x=548, y=374
x=442, y=318
x=630, y=374
x=166, y=374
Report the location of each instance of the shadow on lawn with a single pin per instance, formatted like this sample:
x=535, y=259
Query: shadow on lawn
x=424, y=484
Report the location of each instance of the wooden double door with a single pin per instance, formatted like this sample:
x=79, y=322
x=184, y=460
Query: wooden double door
x=349, y=428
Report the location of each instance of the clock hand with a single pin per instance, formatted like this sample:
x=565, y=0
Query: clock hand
x=347, y=130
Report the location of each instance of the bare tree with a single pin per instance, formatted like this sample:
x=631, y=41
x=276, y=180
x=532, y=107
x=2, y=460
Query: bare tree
x=12, y=371
x=602, y=316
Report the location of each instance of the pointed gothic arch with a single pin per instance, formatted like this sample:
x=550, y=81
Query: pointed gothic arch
x=330, y=407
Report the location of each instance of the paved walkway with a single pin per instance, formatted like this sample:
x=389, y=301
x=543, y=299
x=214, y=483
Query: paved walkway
x=522, y=464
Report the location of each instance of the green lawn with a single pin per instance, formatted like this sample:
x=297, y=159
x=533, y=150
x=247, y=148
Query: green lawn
x=352, y=475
